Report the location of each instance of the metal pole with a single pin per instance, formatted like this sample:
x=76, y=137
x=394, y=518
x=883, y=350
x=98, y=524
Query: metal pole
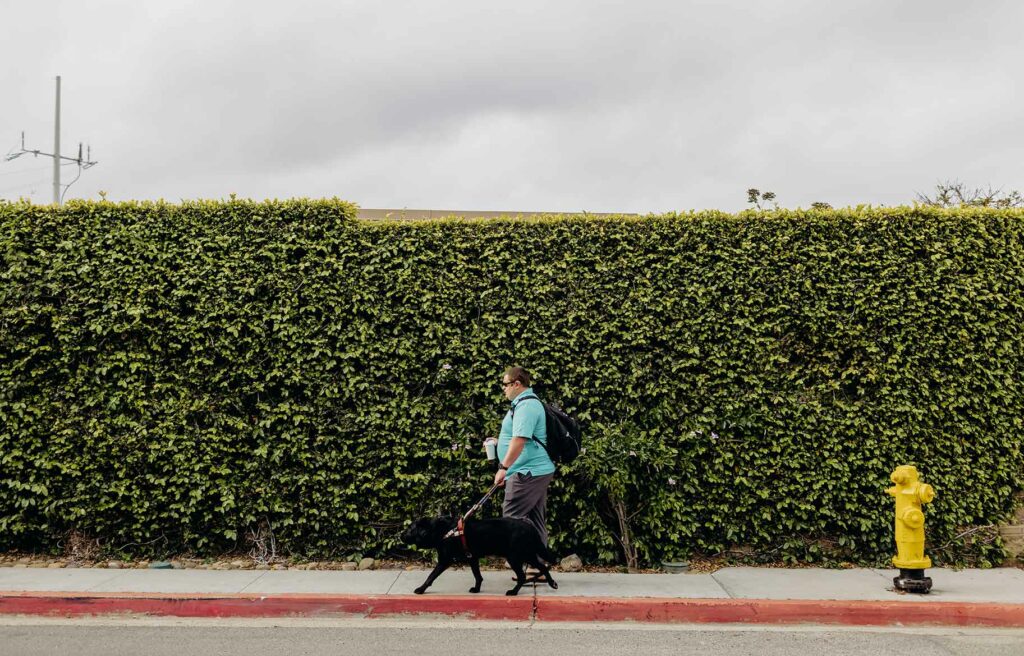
x=56, y=149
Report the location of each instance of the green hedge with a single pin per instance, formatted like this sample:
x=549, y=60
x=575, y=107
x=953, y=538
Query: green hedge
x=172, y=376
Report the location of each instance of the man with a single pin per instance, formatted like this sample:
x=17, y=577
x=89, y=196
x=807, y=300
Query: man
x=524, y=467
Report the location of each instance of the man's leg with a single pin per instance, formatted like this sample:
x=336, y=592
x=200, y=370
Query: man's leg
x=538, y=514
x=526, y=498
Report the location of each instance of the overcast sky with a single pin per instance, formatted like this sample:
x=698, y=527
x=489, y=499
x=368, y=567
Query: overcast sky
x=627, y=106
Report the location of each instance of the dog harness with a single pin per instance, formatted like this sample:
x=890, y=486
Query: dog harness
x=460, y=528
x=460, y=532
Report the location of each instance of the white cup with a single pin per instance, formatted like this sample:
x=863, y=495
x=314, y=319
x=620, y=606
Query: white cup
x=491, y=447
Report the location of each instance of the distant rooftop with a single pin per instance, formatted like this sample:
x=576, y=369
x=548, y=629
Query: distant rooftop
x=409, y=214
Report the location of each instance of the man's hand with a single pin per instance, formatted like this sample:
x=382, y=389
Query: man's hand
x=499, y=478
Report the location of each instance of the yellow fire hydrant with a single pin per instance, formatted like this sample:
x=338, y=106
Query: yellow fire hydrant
x=910, y=495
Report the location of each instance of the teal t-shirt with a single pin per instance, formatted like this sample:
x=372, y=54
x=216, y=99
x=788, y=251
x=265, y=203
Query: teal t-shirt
x=529, y=422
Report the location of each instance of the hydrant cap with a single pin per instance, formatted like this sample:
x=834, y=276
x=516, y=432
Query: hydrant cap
x=913, y=518
x=904, y=474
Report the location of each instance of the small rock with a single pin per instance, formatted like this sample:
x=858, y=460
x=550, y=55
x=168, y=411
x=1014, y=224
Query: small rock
x=177, y=564
x=349, y=567
x=73, y=565
x=262, y=567
x=161, y=564
x=366, y=563
x=39, y=565
x=55, y=566
x=114, y=565
x=571, y=563
x=238, y=564
x=142, y=564
x=24, y=561
x=278, y=567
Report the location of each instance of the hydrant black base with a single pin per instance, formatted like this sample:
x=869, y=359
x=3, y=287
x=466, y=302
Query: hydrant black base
x=912, y=580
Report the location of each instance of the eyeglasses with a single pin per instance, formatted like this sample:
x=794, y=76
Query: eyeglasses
x=511, y=382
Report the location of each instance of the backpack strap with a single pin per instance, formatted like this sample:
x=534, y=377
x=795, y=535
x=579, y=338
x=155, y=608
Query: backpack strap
x=534, y=437
x=525, y=398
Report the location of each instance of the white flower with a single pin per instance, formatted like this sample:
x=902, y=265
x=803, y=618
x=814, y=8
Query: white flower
x=671, y=481
x=632, y=453
x=714, y=435
x=446, y=366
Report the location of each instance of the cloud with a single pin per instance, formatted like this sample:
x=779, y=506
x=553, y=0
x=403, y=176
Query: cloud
x=642, y=106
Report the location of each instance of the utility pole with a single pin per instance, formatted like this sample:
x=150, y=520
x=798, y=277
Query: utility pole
x=56, y=148
x=83, y=163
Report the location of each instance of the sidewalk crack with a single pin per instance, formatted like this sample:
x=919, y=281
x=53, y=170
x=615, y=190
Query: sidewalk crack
x=388, y=591
x=120, y=574
x=724, y=587
x=253, y=581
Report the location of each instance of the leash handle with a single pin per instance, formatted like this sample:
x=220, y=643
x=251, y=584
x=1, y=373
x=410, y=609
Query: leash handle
x=481, y=502
x=459, y=530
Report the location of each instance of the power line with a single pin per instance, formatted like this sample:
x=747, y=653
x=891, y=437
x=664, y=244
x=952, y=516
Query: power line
x=23, y=171
x=34, y=183
x=83, y=163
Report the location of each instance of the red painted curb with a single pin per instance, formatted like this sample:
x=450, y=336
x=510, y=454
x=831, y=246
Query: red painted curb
x=543, y=608
x=278, y=605
x=770, y=611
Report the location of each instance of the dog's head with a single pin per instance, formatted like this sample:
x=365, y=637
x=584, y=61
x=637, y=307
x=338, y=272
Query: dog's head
x=427, y=532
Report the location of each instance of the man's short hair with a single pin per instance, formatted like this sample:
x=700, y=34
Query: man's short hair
x=518, y=373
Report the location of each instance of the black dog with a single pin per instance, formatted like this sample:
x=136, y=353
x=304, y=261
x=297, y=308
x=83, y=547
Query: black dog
x=514, y=539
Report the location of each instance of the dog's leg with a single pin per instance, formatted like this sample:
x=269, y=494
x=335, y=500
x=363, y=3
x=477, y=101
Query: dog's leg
x=474, y=564
x=442, y=565
x=517, y=567
x=544, y=571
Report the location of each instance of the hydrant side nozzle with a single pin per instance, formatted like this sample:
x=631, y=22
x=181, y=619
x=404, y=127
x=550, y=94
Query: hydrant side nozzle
x=913, y=518
x=926, y=493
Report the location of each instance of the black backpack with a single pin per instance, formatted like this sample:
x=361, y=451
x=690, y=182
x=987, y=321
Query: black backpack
x=563, y=433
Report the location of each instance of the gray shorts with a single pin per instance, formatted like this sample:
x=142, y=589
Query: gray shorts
x=526, y=498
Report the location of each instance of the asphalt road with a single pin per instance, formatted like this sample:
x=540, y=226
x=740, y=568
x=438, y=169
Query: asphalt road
x=131, y=636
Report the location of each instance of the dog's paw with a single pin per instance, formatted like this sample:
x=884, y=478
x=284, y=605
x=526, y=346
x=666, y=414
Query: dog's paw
x=475, y=589
x=511, y=593
x=420, y=590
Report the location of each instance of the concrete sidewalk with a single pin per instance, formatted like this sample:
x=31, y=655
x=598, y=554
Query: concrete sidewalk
x=992, y=597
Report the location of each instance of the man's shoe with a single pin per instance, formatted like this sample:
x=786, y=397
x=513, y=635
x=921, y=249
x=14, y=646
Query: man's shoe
x=533, y=576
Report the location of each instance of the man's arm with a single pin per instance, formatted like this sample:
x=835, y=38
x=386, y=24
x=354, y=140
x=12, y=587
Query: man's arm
x=515, y=448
